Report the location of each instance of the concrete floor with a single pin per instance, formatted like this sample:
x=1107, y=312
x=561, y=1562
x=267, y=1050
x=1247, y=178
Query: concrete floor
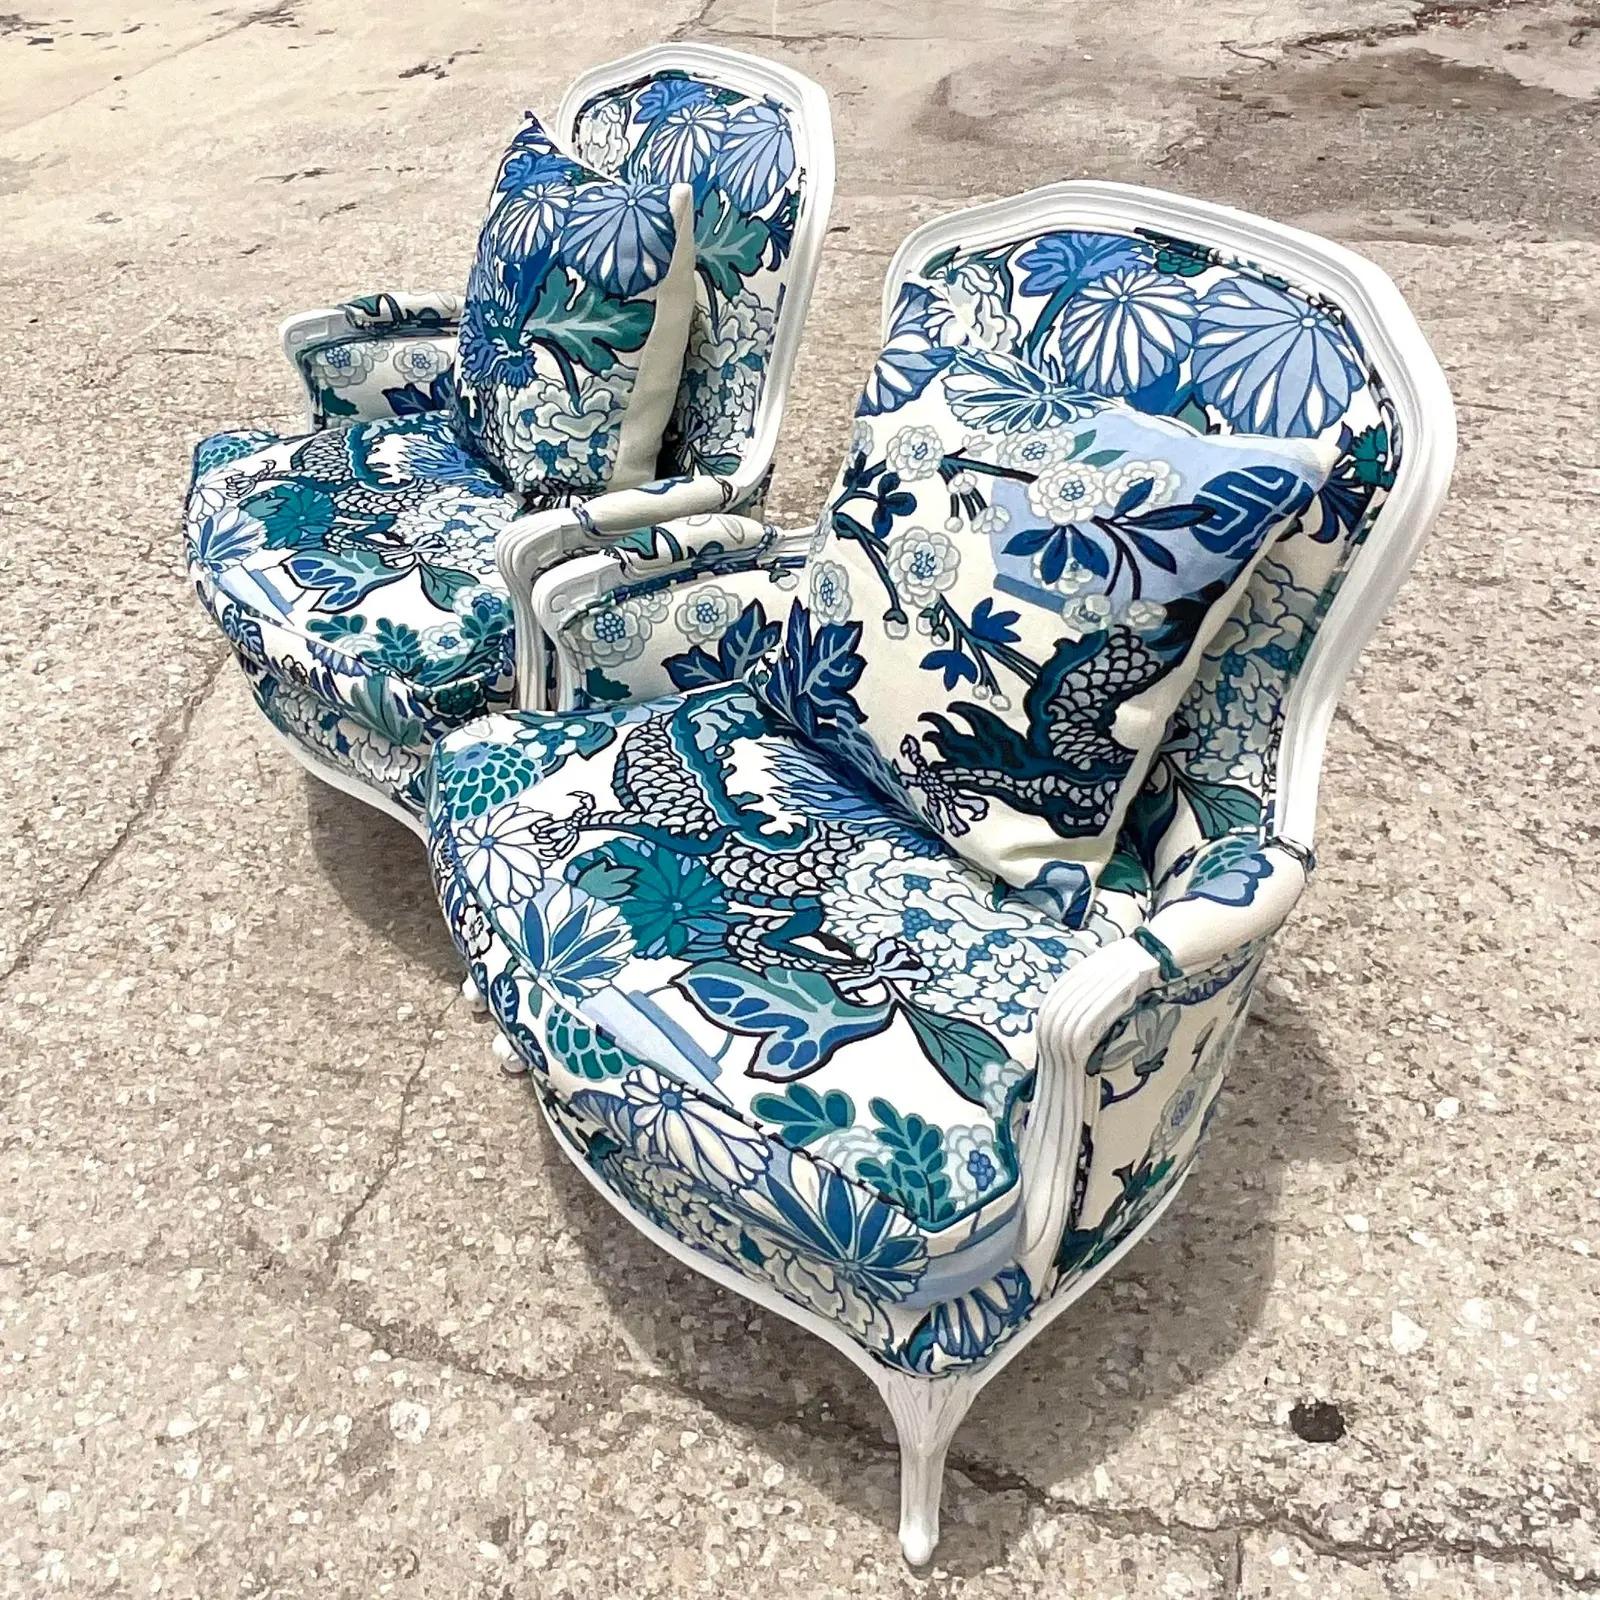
x=296, y=1299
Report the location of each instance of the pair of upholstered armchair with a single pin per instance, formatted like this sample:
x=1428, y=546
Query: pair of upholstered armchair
x=873, y=906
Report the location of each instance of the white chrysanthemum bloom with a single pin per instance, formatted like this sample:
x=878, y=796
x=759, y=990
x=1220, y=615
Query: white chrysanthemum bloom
x=341, y=365
x=553, y=408
x=964, y=482
x=970, y=311
x=1143, y=616
x=1069, y=491
x=500, y=852
x=442, y=536
x=830, y=591
x=443, y=641
x=743, y=328
x=1074, y=579
x=1088, y=613
x=1037, y=449
x=602, y=139
x=860, y=438
x=992, y=519
x=914, y=453
x=612, y=634
x=922, y=563
x=1162, y=479
x=706, y=614
x=688, y=1132
x=421, y=361
x=994, y=1007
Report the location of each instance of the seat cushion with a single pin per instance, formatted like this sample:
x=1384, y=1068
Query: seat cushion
x=737, y=974
x=355, y=569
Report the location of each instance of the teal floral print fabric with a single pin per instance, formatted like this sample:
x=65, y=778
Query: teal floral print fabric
x=576, y=316
x=1009, y=592
x=738, y=155
x=755, y=976
x=353, y=572
x=1172, y=329
x=395, y=362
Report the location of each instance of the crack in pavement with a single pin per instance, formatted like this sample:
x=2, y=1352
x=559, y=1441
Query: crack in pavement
x=172, y=738
x=270, y=1274
x=391, y=1156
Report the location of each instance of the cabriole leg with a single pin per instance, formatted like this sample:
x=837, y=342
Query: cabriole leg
x=926, y=1412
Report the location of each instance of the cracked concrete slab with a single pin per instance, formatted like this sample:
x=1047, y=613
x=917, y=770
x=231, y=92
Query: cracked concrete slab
x=296, y=1298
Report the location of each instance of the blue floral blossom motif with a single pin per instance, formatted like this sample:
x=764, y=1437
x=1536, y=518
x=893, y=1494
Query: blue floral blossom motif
x=684, y=141
x=1064, y=261
x=757, y=156
x=576, y=943
x=1270, y=362
x=827, y=1229
x=620, y=234
x=537, y=191
x=1127, y=329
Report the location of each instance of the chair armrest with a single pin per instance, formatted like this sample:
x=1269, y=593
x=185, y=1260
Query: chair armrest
x=661, y=500
x=534, y=544
x=379, y=355
x=688, y=543
x=1233, y=896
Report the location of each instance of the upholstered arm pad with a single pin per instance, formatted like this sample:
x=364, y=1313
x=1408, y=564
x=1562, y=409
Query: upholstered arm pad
x=379, y=355
x=623, y=510
x=688, y=543
x=646, y=526
x=1201, y=940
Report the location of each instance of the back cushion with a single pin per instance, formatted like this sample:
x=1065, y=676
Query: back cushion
x=738, y=153
x=577, y=314
x=1009, y=592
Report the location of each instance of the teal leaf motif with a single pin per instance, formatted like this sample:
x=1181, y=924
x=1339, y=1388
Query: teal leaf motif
x=587, y=326
x=912, y=1170
x=728, y=245
x=1220, y=808
x=803, y=1116
x=799, y=1017
x=960, y=1050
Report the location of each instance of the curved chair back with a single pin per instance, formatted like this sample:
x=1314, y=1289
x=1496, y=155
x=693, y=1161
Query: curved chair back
x=756, y=142
x=1237, y=324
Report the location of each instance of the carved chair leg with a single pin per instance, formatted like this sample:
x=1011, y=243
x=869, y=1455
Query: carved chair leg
x=926, y=1412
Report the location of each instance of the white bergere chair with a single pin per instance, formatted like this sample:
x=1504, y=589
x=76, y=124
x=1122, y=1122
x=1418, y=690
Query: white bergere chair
x=791, y=1199
x=361, y=711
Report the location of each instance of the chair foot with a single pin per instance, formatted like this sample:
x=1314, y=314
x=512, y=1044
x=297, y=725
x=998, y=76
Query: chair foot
x=473, y=996
x=926, y=1412
x=510, y=1062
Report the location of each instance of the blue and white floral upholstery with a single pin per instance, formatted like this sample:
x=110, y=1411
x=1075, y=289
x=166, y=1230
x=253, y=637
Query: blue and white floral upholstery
x=358, y=575
x=781, y=1018
x=353, y=572
x=387, y=355
x=576, y=316
x=1174, y=329
x=1010, y=588
x=739, y=152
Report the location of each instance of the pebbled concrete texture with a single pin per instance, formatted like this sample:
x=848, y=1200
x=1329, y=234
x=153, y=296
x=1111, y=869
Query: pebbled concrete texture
x=295, y=1296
